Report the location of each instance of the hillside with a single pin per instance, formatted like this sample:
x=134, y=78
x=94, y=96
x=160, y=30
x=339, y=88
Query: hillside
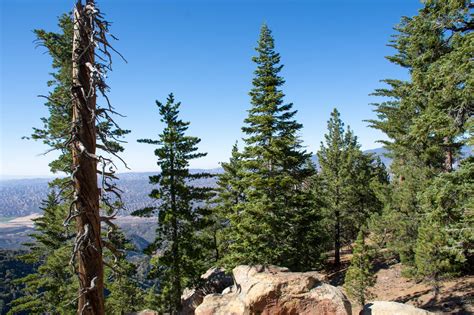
x=21, y=197
x=455, y=296
x=14, y=233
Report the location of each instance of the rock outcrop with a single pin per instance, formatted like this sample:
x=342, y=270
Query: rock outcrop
x=274, y=290
x=391, y=308
x=215, y=280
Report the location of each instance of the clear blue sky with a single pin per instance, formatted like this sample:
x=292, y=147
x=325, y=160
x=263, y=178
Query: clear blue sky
x=333, y=52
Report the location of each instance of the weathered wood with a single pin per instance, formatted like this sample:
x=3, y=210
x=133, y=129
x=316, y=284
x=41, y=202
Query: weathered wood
x=89, y=254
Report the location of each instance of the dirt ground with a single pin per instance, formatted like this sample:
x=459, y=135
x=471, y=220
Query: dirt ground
x=456, y=296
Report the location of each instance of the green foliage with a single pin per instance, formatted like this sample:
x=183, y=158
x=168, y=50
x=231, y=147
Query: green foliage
x=229, y=194
x=125, y=296
x=53, y=287
x=151, y=299
x=359, y=277
x=264, y=190
x=56, y=126
x=426, y=118
x=180, y=259
x=11, y=269
x=352, y=183
x=445, y=243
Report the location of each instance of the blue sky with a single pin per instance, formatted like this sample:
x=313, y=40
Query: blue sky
x=333, y=52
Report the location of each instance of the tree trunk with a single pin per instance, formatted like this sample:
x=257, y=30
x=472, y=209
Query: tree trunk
x=337, y=240
x=176, y=295
x=448, y=160
x=89, y=245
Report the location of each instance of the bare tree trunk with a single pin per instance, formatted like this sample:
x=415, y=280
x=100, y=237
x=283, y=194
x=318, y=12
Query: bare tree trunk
x=448, y=160
x=337, y=240
x=337, y=231
x=88, y=245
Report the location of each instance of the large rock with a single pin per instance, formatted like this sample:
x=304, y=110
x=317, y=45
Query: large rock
x=215, y=280
x=391, y=308
x=274, y=290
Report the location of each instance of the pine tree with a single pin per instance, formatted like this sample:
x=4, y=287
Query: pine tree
x=349, y=180
x=125, y=294
x=54, y=285
x=334, y=175
x=446, y=235
x=180, y=259
x=53, y=289
x=359, y=277
x=275, y=168
x=151, y=299
x=229, y=194
x=426, y=117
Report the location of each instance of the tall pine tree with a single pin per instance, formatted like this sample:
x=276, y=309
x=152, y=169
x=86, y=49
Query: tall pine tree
x=54, y=287
x=349, y=180
x=180, y=210
x=426, y=117
x=266, y=226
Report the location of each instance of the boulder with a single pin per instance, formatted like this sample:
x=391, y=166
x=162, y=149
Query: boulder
x=275, y=290
x=215, y=280
x=391, y=308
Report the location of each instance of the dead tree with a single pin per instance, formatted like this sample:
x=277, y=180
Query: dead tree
x=90, y=131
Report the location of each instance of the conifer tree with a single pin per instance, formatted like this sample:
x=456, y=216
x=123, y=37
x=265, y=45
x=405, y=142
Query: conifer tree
x=426, y=117
x=275, y=168
x=446, y=234
x=180, y=261
x=335, y=163
x=229, y=194
x=359, y=277
x=349, y=179
x=151, y=299
x=54, y=285
x=53, y=289
x=51, y=248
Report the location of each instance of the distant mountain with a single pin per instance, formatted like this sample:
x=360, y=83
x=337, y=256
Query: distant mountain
x=140, y=231
x=21, y=197
x=379, y=152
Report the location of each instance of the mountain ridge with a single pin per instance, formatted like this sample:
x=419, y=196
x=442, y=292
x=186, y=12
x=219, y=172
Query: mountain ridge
x=21, y=197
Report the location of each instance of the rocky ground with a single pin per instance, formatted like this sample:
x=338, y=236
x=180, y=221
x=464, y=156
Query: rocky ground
x=456, y=295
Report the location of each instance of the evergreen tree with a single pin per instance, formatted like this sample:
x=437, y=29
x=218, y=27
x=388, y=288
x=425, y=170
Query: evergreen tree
x=54, y=285
x=265, y=225
x=349, y=180
x=151, y=299
x=359, y=277
x=332, y=160
x=53, y=288
x=180, y=260
x=446, y=235
x=229, y=194
x=426, y=117
x=125, y=294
